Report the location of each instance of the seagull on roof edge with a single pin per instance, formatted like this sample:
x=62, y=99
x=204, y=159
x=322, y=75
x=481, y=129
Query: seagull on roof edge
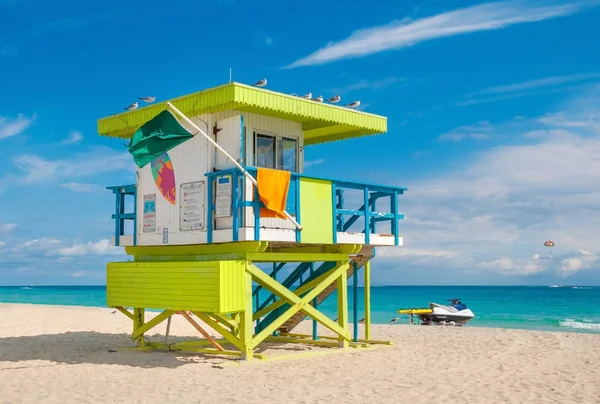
x=353, y=104
x=261, y=83
x=132, y=106
x=335, y=100
x=147, y=99
x=308, y=95
x=318, y=99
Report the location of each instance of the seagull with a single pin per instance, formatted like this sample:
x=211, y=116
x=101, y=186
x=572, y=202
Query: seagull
x=353, y=104
x=148, y=99
x=335, y=100
x=318, y=99
x=394, y=320
x=308, y=95
x=261, y=83
x=132, y=106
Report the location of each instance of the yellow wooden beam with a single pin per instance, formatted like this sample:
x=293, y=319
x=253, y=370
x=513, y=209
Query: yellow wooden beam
x=230, y=323
x=342, y=295
x=302, y=289
x=288, y=339
x=221, y=330
x=246, y=325
x=202, y=331
x=367, y=288
x=126, y=312
x=138, y=321
x=366, y=341
x=295, y=257
x=298, y=303
x=139, y=331
x=347, y=249
x=199, y=249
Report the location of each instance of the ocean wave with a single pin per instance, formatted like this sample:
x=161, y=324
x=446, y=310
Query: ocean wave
x=26, y=288
x=579, y=324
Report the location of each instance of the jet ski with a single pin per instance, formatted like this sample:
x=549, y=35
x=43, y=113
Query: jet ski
x=456, y=313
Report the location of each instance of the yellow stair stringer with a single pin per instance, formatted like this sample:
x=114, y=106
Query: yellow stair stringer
x=364, y=255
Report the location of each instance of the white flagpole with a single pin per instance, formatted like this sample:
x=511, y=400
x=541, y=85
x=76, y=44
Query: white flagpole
x=242, y=169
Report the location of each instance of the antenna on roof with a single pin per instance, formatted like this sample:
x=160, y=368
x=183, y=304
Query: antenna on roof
x=230, y=74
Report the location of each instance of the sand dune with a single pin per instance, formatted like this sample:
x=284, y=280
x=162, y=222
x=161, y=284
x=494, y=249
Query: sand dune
x=55, y=354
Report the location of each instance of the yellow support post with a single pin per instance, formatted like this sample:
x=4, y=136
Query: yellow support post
x=138, y=323
x=367, y=286
x=246, y=326
x=342, y=290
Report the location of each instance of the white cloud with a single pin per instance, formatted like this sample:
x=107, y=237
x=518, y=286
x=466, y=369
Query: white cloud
x=37, y=245
x=74, y=137
x=7, y=227
x=496, y=211
x=35, y=169
x=10, y=127
x=405, y=33
x=481, y=130
x=582, y=260
x=536, y=84
x=367, y=84
x=102, y=247
x=79, y=187
x=313, y=162
x=268, y=40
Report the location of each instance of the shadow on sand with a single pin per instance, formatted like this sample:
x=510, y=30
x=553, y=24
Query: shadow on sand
x=89, y=347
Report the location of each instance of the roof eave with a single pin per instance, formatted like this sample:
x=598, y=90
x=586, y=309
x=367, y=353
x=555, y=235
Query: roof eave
x=326, y=122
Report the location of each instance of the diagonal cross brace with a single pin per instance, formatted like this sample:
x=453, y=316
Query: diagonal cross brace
x=297, y=303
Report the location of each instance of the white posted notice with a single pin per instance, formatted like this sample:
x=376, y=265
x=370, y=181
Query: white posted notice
x=191, y=206
x=223, y=197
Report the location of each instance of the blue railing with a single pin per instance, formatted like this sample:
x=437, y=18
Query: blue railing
x=370, y=195
x=239, y=201
x=120, y=215
x=343, y=217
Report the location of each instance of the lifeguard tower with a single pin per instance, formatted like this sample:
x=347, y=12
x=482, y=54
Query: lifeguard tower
x=221, y=195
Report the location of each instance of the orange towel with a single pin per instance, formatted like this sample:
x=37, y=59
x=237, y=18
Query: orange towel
x=273, y=187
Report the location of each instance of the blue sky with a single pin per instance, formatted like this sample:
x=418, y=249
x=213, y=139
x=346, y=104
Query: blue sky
x=493, y=122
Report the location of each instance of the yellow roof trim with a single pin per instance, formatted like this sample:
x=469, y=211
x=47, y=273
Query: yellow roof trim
x=321, y=122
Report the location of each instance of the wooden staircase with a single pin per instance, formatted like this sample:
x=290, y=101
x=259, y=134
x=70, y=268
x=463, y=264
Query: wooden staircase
x=365, y=254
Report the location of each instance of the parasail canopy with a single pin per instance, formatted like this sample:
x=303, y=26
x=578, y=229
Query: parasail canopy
x=549, y=243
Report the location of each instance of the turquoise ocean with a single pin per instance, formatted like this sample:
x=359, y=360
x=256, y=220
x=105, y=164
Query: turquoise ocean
x=568, y=308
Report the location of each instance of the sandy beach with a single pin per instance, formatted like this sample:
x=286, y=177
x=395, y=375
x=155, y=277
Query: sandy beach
x=57, y=354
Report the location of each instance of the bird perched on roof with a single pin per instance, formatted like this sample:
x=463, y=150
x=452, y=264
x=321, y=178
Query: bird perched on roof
x=261, y=83
x=353, y=104
x=335, y=100
x=318, y=99
x=147, y=99
x=132, y=106
x=308, y=95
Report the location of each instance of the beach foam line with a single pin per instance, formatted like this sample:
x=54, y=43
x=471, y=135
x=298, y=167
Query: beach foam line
x=581, y=325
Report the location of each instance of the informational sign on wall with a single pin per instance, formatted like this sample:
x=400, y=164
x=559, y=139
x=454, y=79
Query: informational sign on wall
x=191, y=206
x=149, y=219
x=223, y=196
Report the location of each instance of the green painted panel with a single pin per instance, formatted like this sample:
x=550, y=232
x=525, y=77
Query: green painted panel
x=209, y=286
x=316, y=215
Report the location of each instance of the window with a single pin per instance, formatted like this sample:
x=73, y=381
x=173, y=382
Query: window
x=265, y=151
x=287, y=154
x=276, y=152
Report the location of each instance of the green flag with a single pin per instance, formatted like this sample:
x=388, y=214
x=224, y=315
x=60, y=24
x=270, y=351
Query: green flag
x=155, y=137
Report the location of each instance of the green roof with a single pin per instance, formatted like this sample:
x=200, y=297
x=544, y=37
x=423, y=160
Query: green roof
x=321, y=122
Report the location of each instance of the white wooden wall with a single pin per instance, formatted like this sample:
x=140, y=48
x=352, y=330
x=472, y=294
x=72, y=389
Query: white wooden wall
x=194, y=158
